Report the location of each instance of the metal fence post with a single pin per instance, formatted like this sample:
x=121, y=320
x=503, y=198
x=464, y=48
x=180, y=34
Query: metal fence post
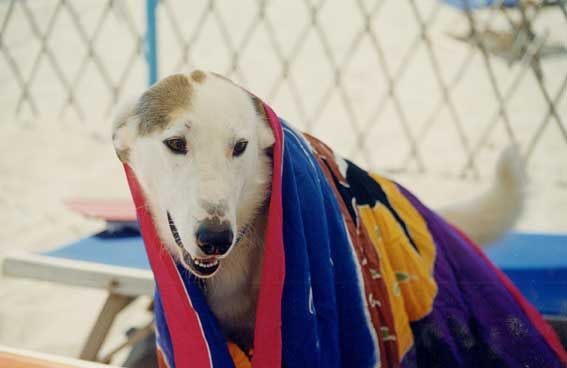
x=151, y=41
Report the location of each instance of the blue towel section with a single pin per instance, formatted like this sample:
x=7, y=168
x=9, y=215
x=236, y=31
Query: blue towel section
x=324, y=320
x=537, y=264
x=479, y=4
x=124, y=248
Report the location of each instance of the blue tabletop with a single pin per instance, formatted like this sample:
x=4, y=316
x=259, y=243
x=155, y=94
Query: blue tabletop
x=477, y=4
x=121, y=248
x=530, y=251
x=536, y=263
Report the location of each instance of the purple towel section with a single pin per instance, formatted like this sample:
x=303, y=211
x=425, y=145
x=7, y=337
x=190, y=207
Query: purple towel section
x=476, y=320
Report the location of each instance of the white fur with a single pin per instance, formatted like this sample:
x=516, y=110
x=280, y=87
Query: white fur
x=490, y=215
x=219, y=113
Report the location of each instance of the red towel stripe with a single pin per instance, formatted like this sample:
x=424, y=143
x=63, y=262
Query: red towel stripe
x=267, y=334
x=190, y=348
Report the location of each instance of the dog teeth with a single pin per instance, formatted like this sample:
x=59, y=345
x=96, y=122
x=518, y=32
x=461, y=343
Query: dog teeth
x=205, y=265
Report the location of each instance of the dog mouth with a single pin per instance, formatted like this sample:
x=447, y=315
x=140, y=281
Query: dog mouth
x=201, y=267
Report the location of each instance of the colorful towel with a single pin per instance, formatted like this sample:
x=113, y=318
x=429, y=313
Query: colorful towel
x=356, y=273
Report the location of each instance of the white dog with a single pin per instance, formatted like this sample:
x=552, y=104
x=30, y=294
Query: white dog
x=200, y=148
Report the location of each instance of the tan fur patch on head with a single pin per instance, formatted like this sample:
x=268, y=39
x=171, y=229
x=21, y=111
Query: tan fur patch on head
x=198, y=76
x=158, y=105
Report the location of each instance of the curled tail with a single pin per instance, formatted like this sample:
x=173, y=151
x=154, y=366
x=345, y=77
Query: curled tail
x=490, y=215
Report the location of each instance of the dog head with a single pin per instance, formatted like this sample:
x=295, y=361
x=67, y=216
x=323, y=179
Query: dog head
x=197, y=144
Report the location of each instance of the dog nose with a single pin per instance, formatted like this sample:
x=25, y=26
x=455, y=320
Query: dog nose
x=214, y=240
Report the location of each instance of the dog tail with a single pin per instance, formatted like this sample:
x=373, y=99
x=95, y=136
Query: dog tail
x=491, y=214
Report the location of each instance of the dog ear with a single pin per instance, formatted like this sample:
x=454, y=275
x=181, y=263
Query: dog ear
x=266, y=138
x=124, y=129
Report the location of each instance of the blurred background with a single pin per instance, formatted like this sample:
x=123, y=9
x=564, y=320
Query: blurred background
x=427, y=92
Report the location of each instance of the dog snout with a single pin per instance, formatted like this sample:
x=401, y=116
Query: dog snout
x=214, y=238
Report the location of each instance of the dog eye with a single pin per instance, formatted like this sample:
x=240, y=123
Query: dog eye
x=176, y=145
x=239, y=148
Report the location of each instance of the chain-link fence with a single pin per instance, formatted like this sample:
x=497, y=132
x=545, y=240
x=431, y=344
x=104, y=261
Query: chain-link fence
x=425, y=86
